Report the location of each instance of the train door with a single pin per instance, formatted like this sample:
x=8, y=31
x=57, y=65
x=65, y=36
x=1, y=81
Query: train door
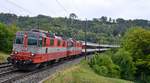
x=45, y=48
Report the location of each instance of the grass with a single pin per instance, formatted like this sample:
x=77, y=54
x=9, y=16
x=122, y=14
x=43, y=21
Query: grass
x=3, y=57
x=81, y=73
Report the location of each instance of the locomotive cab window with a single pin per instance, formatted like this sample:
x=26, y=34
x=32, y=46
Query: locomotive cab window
x=32, y=41
x=19, y=40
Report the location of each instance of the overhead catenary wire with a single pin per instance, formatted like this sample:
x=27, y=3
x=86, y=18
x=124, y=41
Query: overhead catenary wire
x=61, y=6
x=74, y=6
x=18, y=6
x=43, y=4
x=3, y=8
x=26, y=10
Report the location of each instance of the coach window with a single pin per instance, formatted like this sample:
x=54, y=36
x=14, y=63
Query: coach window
x=51, y=42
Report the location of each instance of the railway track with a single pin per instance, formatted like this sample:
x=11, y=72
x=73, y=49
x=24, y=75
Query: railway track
x=23, y=74
x=38, y=75
x=4, y=77
x=4, y=65
x=7, y=72
x=16, y=76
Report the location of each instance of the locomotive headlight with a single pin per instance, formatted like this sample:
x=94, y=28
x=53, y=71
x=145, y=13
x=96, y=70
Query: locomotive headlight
x=32, y=54
x=16, y=52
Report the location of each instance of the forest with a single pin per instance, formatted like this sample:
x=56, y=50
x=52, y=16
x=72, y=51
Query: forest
x=130, y=62
x=103, y=30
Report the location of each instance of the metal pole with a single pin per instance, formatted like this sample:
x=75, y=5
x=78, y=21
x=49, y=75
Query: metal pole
x=38, y=21
x=99, y=45
x=85, y=38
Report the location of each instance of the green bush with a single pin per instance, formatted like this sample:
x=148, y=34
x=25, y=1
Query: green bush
x=102, y=70
x=137, y=42
x=103, y=65
x=7, y=34
x=147, y=79
x=131, y=61
x=124, y=60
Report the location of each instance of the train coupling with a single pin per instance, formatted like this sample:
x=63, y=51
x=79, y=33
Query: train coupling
x=9, y=60
x=21, y=62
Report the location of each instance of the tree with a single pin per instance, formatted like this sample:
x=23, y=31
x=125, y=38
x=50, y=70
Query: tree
x=103, y=65
x=7, y=34
x=110, y=20
x=125, y=61
x=120, y=20
x=103, y=19
x=137, y=42
x=73, y=16
x=67, y=26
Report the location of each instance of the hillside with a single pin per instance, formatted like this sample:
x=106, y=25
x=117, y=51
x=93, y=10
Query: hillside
x=81, y=73
x=102, y=29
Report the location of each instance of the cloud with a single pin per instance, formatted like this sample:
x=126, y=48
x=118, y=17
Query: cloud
x=128, y=9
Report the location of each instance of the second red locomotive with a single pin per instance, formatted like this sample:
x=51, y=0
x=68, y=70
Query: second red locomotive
x=36, y=47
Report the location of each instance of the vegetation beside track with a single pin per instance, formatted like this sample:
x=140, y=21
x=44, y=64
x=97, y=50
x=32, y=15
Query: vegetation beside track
x=130, y=62
x=81, y=73
x=3, y=57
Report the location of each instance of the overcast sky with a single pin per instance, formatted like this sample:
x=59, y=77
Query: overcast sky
x=127, y=9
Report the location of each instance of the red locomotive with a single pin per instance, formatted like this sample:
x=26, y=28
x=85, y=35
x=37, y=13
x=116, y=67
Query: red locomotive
x=34, y=48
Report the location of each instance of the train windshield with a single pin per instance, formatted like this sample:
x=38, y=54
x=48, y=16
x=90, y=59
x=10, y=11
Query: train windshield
x=19, y=40
x=32, y=41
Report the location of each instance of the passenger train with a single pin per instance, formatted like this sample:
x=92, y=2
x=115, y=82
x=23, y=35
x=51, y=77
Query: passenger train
x=31, y=49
